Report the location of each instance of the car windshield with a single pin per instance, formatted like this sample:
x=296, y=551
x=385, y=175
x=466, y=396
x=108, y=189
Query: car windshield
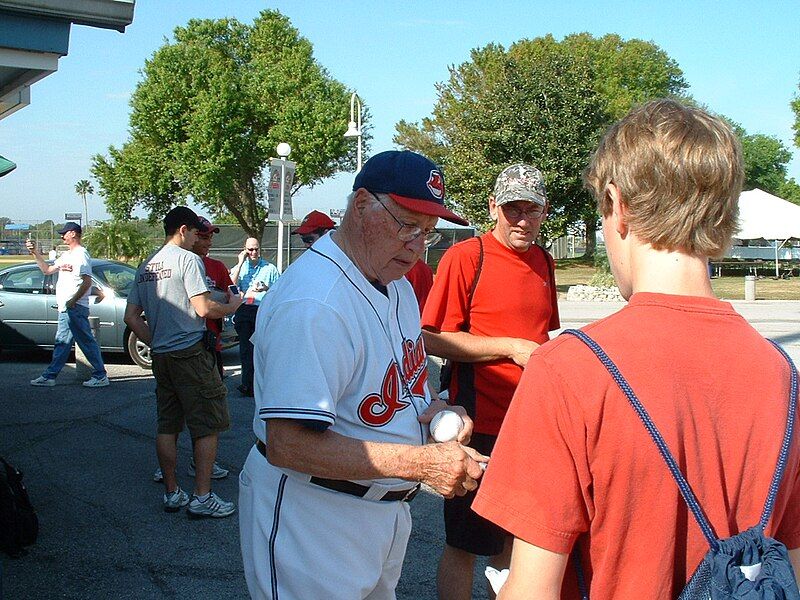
x=118, y=277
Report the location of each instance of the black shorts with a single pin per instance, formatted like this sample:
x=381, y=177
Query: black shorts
x=464, y=528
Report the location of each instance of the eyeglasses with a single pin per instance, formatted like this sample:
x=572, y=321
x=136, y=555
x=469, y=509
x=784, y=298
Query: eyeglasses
x=409, y=232
x=205, y=236
x=531, y=214
x=253, y=249
x=309, y=239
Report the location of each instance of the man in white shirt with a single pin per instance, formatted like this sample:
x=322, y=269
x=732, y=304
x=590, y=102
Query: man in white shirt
x=72, y=296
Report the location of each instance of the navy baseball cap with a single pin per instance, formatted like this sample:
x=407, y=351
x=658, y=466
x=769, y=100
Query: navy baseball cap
x=410, y=179
x=70, y=226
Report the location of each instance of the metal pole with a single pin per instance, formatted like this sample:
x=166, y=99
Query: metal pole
x=280, y=216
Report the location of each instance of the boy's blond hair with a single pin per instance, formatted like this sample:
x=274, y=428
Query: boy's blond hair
x=679, y=171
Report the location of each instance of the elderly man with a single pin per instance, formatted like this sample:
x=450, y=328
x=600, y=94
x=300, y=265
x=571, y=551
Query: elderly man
x=254, y=276
x=341, y=384
x=492, y=303
x=170, y=288
x=72, y=296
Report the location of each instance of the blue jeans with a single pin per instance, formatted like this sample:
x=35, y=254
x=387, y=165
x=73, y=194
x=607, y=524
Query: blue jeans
x=245, y=324
x=73, y=325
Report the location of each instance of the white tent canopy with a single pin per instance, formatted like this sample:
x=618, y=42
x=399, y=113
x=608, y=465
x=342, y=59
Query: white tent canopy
x=764, y=216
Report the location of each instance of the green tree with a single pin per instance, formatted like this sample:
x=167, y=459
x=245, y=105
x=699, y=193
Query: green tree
x=541, y=101
x=121, y=240
x=765, y=160
x=83, y=188
x=209, y=112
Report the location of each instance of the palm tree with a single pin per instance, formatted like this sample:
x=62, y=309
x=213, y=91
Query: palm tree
x=82, y=188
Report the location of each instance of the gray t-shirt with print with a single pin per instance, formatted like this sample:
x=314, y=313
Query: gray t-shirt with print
x=164, y=284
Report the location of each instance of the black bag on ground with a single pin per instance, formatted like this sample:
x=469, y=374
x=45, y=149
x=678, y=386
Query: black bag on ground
x=19, y=524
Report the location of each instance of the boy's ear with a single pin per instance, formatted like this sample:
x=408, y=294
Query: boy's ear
x=619, y=209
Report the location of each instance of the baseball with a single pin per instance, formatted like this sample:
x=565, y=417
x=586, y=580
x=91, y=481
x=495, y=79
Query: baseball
x=446, y=425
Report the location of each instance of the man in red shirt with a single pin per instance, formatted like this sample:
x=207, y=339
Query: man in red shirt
x=574, y=465
x=493, y=301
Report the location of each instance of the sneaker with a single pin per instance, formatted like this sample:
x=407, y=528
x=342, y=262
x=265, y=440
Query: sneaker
x=217, y=472
x=176, y=500
x=94, y=382
x=214, y=507
x=43, y=381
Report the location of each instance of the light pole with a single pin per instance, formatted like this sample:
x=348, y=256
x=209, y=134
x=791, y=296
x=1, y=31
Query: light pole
x=354, y=126
x=284, y=150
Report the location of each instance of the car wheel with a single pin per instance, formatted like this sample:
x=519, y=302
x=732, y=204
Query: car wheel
x=138, y=351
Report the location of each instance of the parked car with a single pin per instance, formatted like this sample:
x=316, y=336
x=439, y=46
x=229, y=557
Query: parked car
x=29, y=314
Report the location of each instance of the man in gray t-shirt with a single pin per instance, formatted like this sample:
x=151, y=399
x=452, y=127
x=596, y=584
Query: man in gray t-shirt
x=170, y=289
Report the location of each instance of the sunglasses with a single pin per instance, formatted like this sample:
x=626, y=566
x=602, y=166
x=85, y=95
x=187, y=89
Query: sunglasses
x=308, y=239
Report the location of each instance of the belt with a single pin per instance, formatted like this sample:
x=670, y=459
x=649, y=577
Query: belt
x=352, y=488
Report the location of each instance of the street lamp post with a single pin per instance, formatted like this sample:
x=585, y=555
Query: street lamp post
x=354, y=126
x=284, y=150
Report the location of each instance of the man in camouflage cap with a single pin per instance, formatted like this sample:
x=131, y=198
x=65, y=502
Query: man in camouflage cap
x=493, y=302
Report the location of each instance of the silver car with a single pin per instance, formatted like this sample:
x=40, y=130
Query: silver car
x=29, y=314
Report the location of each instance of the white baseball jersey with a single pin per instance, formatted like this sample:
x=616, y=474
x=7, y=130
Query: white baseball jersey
x=331, y=348
x=72, y=266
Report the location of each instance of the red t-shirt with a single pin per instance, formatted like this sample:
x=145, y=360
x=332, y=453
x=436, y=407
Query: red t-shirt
x=515, y=296
x=574, y=458
x=217, y=276
x=421, y=279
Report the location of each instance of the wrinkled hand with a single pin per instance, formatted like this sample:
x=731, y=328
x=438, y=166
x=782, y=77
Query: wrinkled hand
x=521, y=350
x=450, y=468
x=70, y=303
x=242, y=256
x=436, y=406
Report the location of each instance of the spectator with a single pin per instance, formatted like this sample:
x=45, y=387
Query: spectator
x=313, y=226
x=170, y=288
x=574, y=465
x=217, y=280
x=73, y=286
x=493, y=302
x=254, y=276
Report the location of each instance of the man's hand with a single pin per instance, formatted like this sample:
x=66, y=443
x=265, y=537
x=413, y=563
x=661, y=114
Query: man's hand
x=242, y=256
x=235, y=301
x=449, y=468
x=521, y=350
x=71, y=303
x=439, y=405
x=31, y=246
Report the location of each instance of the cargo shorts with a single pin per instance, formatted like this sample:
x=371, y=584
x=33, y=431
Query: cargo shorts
x=189, y=391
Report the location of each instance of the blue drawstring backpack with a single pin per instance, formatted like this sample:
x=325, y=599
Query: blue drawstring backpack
x=747, y=566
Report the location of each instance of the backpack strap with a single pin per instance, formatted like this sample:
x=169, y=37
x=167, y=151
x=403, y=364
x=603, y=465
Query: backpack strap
x=683, y=485
x=785, y=445
x=474, y=285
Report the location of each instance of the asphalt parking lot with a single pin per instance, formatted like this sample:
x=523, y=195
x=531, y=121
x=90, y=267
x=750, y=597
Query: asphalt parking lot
x=88, y=456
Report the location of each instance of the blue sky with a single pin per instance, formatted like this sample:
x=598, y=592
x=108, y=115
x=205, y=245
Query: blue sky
x=742, y=59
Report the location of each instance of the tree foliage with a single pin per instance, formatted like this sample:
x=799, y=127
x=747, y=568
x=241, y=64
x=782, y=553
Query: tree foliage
x=121, y=240
x=540, y=101
x=765, y=160
x=209, y=112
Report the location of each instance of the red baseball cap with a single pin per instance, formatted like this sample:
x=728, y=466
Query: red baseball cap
x=313, y=221
x=207, y=226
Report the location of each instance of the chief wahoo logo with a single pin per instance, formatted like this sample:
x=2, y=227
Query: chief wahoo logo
x=436, y=184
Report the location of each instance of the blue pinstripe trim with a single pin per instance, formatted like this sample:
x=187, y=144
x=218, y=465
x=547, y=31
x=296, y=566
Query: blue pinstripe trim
x=311, y=413
x=276, y=517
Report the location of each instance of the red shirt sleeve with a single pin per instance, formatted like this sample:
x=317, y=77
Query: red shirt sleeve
x=537, y=484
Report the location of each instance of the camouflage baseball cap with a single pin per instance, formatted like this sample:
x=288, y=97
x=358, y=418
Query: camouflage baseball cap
x=520, y=182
